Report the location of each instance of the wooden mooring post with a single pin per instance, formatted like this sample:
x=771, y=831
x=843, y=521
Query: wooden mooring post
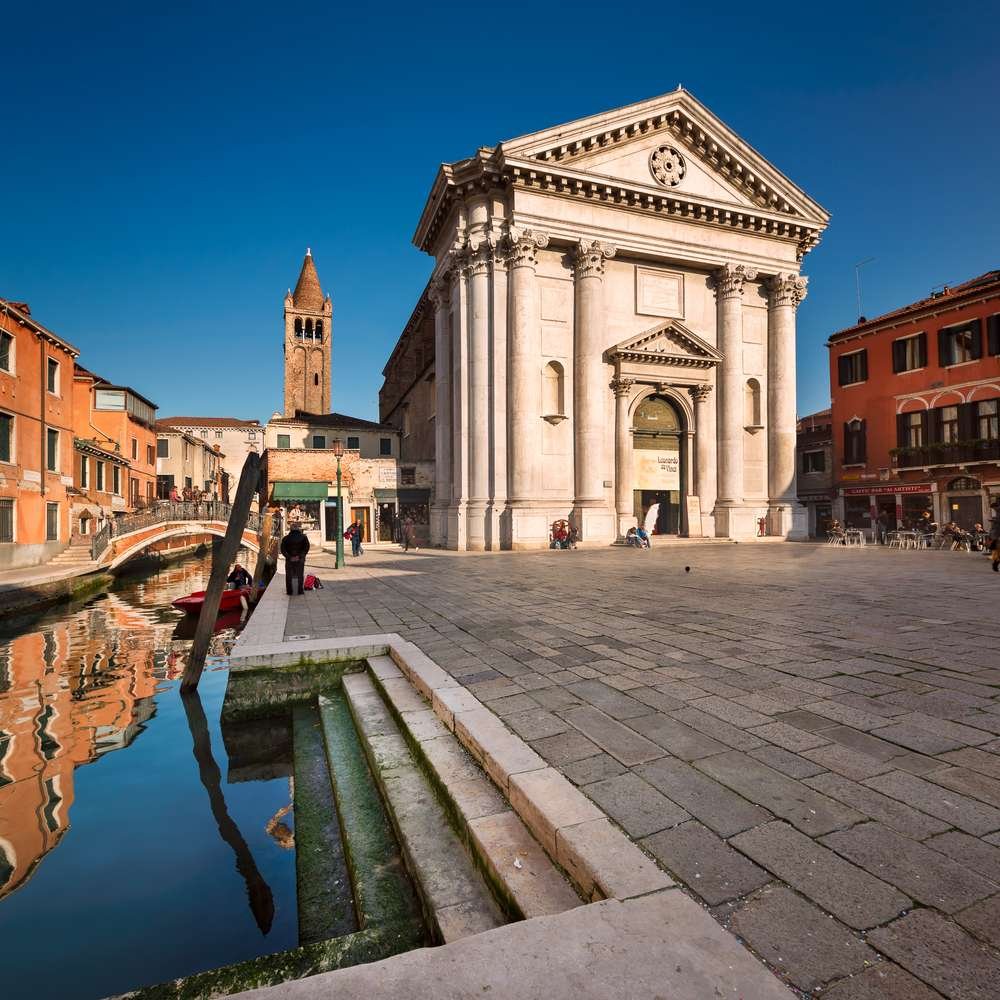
x=221, y=558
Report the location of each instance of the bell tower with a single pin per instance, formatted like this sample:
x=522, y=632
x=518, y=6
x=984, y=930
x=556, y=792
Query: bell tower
x=308, y=344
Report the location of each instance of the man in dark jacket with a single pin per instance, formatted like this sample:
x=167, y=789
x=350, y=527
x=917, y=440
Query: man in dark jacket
x=294, y=547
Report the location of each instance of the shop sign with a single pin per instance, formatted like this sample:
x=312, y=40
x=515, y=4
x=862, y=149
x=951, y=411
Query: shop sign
x=864, y=491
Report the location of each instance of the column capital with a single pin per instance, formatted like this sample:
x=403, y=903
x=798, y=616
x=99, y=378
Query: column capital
x=523, y=246
x=728, y=280
x=699, y=393
x=479, y=256
x=621, y=386
x=787, y=289
x=589, y=257
x=439, y=292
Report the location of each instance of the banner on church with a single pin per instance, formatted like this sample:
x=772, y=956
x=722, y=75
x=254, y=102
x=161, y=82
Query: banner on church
x=657, y=470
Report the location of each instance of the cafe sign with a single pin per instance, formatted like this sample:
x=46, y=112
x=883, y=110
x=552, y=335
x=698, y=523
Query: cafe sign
x=865, y=491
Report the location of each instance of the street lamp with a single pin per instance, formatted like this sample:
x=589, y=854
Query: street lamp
x=338, y=450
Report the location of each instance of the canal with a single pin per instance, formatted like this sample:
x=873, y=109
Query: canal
x=133, y=850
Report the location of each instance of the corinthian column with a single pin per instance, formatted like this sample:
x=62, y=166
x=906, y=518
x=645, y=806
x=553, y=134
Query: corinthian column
x=440, y=296
x=479, y=392
x=704, y=450
x=590, y=508
x=728, y=282
x=624, y=502
x=524, y=379
x=786, y=292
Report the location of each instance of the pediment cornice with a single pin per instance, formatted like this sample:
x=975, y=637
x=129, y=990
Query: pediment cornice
x=653, y=347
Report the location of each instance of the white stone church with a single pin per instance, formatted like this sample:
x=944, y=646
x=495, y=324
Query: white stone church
x=608, y=335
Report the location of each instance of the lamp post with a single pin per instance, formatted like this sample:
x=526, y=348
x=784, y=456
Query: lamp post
x=338, y=450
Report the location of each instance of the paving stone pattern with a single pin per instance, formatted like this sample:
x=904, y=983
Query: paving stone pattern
x=806, y=738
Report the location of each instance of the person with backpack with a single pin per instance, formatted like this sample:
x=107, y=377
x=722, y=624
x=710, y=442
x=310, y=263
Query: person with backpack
x=354, y=534
x=295, y=547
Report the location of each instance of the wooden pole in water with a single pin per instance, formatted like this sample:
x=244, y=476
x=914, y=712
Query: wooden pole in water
x=222, y=557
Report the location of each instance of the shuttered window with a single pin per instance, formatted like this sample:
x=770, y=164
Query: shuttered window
x=6, y=520
x=909, y=353
x=993, y=335
x=6, y=437
x=52, y=450
x=949, y=424
x=961, y=343
x=6, y=352
x=52, y=522
x=855, y=445
x=988, y=419
x=853, y=368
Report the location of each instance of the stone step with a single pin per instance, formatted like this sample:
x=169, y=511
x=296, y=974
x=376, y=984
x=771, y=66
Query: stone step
x=527, y=882
x=457, y=901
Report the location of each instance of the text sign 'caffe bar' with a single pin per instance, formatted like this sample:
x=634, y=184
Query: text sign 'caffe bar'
x=610, y=325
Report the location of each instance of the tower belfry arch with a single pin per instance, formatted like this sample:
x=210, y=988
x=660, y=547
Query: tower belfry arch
x=308, y=343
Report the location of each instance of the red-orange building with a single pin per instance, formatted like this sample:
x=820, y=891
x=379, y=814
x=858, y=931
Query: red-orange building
x=916, y=410
x=36, y=438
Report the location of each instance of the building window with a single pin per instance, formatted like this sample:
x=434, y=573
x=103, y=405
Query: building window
x=162, y=448
x=319, y=330
x=284, y=441
x=150, y=455
x=385, y=447
x=993, y=334
x=52, y=375
x=854, y=442
x=133, y=491
x=309, y=329
x=135, y=450
x=958, y=344
x=84, y=472
x=353, y=444
x=912, y=429
x=116, y=480
x=6, y=352
x=99, y=476
x=813, y=461
x=52, y=522
x=853, y=368
x=149, y=491
x=6, y=520
x=252, y=434
x=298, y=328
x=218, y=435
x=553, y=390
x=6, y=437
x=909, y=353
x=949, y=424
x=408, y=476
x=52, y=450
x=318, y=441
x=988, y=419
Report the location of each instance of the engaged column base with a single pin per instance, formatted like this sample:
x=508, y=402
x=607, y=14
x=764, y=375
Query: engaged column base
x=596, y=525
x=738, y=520
x=788, y=520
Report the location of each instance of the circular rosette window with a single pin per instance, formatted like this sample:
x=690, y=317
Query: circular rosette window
x=667, y=166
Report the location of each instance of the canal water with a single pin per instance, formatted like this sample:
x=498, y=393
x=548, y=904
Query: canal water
x=132, y=849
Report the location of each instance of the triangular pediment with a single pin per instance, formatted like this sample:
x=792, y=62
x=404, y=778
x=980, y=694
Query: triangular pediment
x=674, y=145
x=670, y=343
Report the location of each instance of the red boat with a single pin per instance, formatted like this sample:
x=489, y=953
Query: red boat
x=192, y=604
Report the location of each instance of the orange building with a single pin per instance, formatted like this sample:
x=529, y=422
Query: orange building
x=118, y=419
x=36, y=438
x=916, y=410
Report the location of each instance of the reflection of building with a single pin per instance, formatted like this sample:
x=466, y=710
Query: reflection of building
x=916, y=409
x=611, y=295
x=233, y=437
x=187, y=462
x=814, y=452
x=36, y=438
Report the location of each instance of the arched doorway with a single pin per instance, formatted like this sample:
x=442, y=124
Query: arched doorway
x=659, y=463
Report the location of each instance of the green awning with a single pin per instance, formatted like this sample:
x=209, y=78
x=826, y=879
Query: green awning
x=299, y=491
x=385, y=494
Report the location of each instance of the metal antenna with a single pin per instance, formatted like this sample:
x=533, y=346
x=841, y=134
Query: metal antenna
x=857, y=280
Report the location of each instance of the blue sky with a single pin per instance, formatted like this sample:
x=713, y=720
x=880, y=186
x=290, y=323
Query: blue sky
x=162, y=173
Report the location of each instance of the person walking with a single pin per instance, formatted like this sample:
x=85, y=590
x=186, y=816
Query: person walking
x=409, y=534
x=294, y=547
x=354, y=534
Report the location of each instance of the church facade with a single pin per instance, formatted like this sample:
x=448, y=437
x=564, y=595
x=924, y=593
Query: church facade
x=608, y=335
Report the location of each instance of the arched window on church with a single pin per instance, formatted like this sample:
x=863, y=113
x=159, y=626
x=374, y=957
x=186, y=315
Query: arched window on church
x=319, y=329
x=298, y=328
x=553, y=390
x=752, y=414
x=309, y=329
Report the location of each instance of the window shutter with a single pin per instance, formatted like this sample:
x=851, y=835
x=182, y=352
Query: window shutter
x=843, y=371
x=933, y=428
x=848, y=450
x=922, y=350
x=993, y=334
x=864, y=365
x=967, y=422
x=898, y=356
x=901, y=441
x=863, y=443
x=976, y=326
x=944, y=353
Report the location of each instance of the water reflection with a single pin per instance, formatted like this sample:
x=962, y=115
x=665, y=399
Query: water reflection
x=77, y=685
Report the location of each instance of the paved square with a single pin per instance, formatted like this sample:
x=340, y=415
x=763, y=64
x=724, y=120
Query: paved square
x=806, y=738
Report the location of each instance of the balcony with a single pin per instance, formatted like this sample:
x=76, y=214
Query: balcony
x=959, y=453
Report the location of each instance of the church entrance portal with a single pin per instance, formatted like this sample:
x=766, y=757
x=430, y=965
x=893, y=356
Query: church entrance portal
x=659, y=462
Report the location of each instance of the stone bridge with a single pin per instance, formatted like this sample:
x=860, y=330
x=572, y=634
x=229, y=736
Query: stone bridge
x=125, y=537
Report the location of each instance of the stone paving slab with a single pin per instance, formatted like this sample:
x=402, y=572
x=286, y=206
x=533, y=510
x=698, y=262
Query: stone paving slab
x=694, y=669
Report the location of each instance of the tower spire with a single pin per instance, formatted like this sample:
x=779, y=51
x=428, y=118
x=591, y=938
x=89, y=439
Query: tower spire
x=308, y=292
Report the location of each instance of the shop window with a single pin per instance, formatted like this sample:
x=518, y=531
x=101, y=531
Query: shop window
x=966, y=483
x=988, y=419
x=407, y=476
x=52, y=522
x=857, y=512
x=6, y=520
x=752, y=403
x=52, y=450
x=813, y=461
x=855, y=444
x=553, y=389
x=6, y=352
x=385, y=447
x=6, y=437
x=353, y=444
x=284, y=441
x=52, y=375
x=958, y=344
x=909, y=353
x=853, y=368
x=992, y=335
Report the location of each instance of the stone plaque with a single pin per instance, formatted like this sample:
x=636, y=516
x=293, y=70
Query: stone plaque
x=659, y=293
x=694, y=516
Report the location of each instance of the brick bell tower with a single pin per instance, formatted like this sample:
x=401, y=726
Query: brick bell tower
x=308, y=344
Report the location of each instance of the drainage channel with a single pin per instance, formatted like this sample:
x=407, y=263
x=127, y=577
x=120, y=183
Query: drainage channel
x=402, y=841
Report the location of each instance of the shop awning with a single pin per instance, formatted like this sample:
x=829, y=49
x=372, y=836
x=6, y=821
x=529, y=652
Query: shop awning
x=299, y=491
x=385, y=494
